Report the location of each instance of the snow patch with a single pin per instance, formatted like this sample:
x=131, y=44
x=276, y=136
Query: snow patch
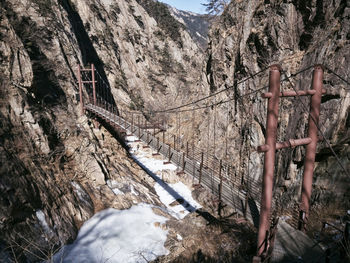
x=154, y=165
x=113, y=185
x=41, y=217
x=131, y=138
x=133, y=191
x=118, y=236
x=177, y=198
x=83, y=196
x=107, y=3
x=179, y=237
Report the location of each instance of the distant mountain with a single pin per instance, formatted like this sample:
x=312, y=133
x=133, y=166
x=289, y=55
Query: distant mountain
x=195, y=23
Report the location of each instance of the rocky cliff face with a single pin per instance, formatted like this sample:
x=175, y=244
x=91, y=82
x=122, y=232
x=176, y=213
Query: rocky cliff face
x=248, y=37
x=54, y=163
x=196, y=24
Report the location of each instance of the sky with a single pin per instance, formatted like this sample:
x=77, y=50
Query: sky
x=187, y=5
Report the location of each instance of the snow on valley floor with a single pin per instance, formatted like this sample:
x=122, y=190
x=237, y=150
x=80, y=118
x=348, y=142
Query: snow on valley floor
x=143, y=157
x=132, y=235
x=180, y=202
x=176, y=197
x=118, y=236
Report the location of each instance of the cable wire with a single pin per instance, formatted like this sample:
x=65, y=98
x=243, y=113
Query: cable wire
x=213, y=94
x=337, y=75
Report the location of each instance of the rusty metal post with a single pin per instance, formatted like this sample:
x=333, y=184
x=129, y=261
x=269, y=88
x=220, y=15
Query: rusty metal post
x=174, y=136
x=201, y=168
x=169, y=153
x=183, y=162
x=147, y=133
x=309, y=163
x=157, y=145
x=138, y=120
x=220, y=189
x=194, y=168
x=80, y=91
x=187, y=149
x=132, y=123
x=93, y=83
x=269, y=160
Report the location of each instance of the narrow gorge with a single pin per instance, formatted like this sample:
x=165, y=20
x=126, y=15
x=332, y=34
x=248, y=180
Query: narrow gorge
x=200, y=78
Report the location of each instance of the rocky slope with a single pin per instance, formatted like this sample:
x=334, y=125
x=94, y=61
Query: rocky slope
x=54, y=163
x=196, y=24
x=247, y=38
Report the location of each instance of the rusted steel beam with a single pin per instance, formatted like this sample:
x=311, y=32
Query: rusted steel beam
x=138, y=121
x=88, y=82
x=147, y=137
x=309, y=164
x=183, y=162
x=220, y=189
x=169, y=155
x=292, y=93
x=269, y=160
x=80, y=90
x=194, y=168
x=158, y=145
x=291, y=143
x=201, y=168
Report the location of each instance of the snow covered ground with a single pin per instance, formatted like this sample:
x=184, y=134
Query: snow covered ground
x=154, y=165
x=178, y=199
x=135, y=234
x=118, y=236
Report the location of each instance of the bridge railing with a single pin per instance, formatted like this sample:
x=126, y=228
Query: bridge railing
x=243, y=197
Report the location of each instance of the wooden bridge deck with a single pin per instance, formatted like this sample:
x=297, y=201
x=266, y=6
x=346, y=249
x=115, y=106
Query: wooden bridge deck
x=232, y=194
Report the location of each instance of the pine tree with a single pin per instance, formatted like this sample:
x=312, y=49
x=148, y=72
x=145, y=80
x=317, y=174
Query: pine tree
x=215, y=7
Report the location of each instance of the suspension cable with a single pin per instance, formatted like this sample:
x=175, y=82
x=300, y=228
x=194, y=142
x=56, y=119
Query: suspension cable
x=337, y=75
x=211, y=95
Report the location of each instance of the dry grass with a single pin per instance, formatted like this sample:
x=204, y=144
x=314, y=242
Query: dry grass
x=332, y=235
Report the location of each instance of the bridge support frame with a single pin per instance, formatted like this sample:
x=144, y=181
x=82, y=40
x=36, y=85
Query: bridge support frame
x=309, y=164
x=270, y=147
x=269, y=160
x=93, y=83
x=81, y=99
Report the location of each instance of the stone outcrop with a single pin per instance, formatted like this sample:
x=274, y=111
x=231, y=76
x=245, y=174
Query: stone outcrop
x=57, y=169
x=54, y=163
x=196, y=24
x=247, y=38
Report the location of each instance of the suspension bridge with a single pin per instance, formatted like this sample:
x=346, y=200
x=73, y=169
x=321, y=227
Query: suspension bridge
x=251, y=198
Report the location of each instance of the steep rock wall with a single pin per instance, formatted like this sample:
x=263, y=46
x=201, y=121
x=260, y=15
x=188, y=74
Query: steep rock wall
x=247, y=38
x=54, y=163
